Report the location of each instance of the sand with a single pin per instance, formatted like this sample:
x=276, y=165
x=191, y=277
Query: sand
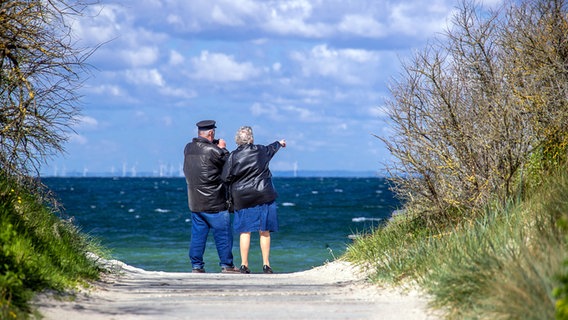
x=336, y=290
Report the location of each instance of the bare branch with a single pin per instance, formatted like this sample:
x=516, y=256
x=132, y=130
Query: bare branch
x=40, y=72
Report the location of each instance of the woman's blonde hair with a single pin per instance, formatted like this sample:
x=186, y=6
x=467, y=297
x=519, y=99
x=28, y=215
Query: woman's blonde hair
x=244, y=136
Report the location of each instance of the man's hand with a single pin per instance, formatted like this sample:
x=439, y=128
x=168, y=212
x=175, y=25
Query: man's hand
x=282, y=143
x=222, y=143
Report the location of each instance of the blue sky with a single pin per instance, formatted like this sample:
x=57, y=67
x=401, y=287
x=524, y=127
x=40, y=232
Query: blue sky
x=313, y=72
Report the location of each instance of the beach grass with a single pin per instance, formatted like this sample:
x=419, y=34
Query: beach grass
x=39, y=251
x=504, y=264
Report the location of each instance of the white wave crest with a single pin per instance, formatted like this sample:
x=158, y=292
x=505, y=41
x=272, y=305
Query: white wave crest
x=363, y=219
x=288, y=204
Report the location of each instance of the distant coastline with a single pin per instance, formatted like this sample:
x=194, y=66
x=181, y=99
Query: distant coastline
x=289, y=174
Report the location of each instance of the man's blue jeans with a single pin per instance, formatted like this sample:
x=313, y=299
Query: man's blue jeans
x=220, y=224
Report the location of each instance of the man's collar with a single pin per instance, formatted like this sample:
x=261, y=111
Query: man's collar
x=203, y=139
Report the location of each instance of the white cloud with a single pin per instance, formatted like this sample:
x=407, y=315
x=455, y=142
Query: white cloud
x=78, y=139
x=141, y=114
x=145, y=77
x=362, y=25
x=141, y=56
x=313, y=96
x=225, y=18
x=258, y=109
x=195, y=16
x=285, y=112
x=100, y=24
x=86, y=122
x=492, y=3
x=349, y=66
x=301, y=114
x=296, y=7
x=130, y=20
x=104, y=89
x=178, y=93
x=310, y=19
x=276, y=66
x=167, y=121
x=314, y=93
x=176, y=58
x=376, y=112
x=119, y=37
x=418, y=19
x=176, y=21
x=218, y=67
x=293, y=17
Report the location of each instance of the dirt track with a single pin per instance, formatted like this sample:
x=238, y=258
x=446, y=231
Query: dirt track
x=333, y=291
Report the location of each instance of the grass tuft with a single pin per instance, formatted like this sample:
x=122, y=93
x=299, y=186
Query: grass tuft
x=505, y=264
x=39, y=251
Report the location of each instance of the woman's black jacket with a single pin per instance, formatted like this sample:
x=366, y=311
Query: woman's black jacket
x=202, y=166
x=248, y=177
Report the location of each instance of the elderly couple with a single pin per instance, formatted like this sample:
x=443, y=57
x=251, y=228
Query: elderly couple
x=217, y=179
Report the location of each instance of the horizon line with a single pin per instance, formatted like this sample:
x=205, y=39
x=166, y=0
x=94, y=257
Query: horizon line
x=276, y=173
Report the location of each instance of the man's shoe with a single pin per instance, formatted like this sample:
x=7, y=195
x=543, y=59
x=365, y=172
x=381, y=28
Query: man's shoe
x=244, y=269
x=199, y=270
x=267, y=269
x=230, y=270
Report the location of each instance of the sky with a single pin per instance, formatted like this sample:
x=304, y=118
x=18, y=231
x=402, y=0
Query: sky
x=312, y=72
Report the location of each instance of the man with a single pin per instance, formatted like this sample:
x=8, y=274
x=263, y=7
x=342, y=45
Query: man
x=204, y=158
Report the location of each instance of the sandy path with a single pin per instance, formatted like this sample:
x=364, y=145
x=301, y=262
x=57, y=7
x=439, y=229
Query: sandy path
x=333, y=291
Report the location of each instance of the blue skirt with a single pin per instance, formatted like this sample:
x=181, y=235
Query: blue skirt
x=260, y=218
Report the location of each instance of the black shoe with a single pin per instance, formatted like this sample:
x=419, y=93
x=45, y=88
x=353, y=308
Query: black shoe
x=230, y=270
x=199, y=270
x=244, y=269
x=267, y=269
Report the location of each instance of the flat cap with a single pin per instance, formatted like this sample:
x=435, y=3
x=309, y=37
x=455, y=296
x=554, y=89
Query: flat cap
x=206, y=125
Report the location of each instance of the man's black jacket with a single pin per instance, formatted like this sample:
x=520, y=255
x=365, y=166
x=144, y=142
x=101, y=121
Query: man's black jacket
x=202, y=166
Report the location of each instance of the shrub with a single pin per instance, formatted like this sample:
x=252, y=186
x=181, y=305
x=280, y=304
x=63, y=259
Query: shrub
x=39, y=250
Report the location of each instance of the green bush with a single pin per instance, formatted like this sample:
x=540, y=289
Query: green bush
x=39, y=251
x=504, y=264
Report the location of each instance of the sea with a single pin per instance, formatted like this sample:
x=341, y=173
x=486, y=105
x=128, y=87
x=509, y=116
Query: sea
x=146, y=223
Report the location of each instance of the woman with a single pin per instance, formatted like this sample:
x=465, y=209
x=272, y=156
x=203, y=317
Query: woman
x=253, y=195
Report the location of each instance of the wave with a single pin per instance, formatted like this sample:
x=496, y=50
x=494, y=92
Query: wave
x=363, y=219
x=162, y=210
x=288, y=204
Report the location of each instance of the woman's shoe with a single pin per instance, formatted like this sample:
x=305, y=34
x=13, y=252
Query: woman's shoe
x=244, y=269
x=267, y=269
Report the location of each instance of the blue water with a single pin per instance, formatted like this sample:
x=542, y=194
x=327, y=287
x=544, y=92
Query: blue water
x=145, y=222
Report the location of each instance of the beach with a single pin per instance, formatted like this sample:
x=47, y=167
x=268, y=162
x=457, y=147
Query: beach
x=336, y=290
